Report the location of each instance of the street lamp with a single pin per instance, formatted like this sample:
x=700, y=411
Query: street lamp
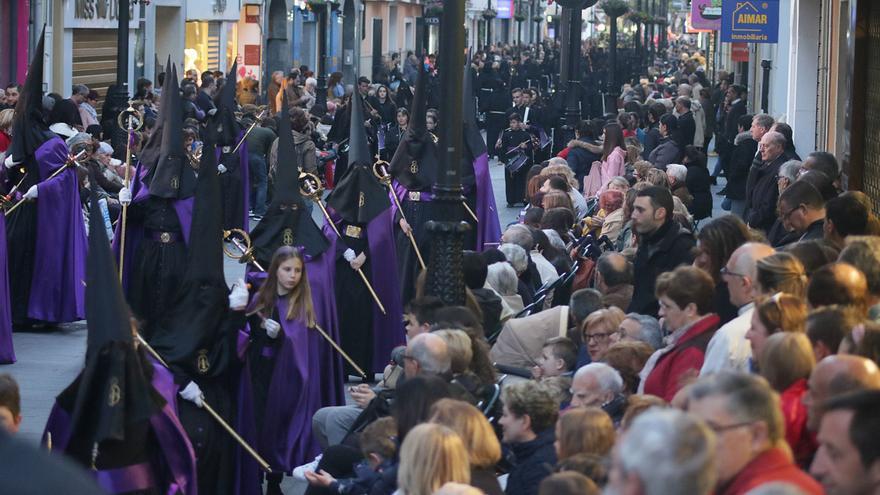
x=570, y=65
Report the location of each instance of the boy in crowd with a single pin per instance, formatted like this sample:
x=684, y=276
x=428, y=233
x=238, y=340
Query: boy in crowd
x=558, y=358
x=10, y=404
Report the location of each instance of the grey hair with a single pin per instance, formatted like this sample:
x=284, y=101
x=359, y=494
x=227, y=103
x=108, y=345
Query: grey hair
x=678, y=171
x=649, y=329
x=790, y=169
x=431, y=352
x=502, y=278
x=671, y=452
x=609, y=378
x=557, y=160
x=516, y=256
x=618, y=181
x=554, y=238
x=688, y=89
x=764, y=120
x=80, y=89
x=748, y=398
x=520, y=235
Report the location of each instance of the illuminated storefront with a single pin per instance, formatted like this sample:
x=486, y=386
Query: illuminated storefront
x=211, y=41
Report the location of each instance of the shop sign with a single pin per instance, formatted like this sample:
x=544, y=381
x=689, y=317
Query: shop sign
x=739, y=52
x=98, y=14
x=706, y=14
x=505, y=9
x=750, y=21
x=212, y=10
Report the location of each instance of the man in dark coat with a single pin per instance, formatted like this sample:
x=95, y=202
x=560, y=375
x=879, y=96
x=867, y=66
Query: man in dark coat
x=761, y=189
x=744, y=150
x=667, y=150
x=802, y=207
x=663, y=245
x=687, y=126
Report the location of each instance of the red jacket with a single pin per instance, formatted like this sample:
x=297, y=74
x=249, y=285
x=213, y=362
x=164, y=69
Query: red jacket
x=683, y=361
x=771, y=466
x=802, y=441
x=5, y=141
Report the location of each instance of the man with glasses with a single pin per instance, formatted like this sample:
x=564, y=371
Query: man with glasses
x=746, y=416
x=729, y=349
x=802, y=210
x=761, y=188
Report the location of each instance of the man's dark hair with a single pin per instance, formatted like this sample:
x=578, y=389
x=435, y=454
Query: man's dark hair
x=821, y=182
x=424, y=308
x=14, y=85
x=362, y=80
x=670, y=121
x=849, y=215
x=684, y=101
x=10, y=397
x=611, y=274
x=585, y=129
x=745, y=121
x=824, y=161
x=559, y=183
x=739, y=90
x=160, y=79
x=514, y=116
x=475, y=269
x=565, y=349
x=660, y=198
x=802, y=193
x=582, y=303
x=830, y=324
x=657, y=111
x=533, y=216
x=207, y=79
x=864, y=429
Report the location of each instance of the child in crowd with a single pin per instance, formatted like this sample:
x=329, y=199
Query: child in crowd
x=10, y=404
x=558, y=358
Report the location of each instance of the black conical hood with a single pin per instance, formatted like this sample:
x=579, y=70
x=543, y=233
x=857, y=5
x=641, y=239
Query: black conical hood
x=30, y=130
x=415, y=163
x=359, y=149
x=150, y=152
x=172, y=176
x=286, y=222
x=205, y=260
x=229, y=126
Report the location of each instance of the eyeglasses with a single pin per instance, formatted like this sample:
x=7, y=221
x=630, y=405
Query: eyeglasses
x=725, y=271
x=784, y=216
x=599, y=337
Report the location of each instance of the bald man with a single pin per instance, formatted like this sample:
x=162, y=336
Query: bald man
x=837, y=375
x=614, y=279
x=729, y=349
x=838, y=283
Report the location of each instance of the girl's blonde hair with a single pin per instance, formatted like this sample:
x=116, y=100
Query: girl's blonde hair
x=431, y=456
x=483, y=447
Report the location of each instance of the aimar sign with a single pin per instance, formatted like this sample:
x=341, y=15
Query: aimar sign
x=750, y=21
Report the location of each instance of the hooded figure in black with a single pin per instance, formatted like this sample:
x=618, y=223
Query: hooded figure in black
x=162, y=209
x=111, y=419
x=287, y=221
x=362, y=216
x=198, y=338
x=233, y=166
x=414, y=169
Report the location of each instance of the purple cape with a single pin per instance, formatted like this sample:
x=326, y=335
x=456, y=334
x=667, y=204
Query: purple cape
x=489, y=227
x=388, y=330
x=134, y=231
x=307, y=376
x=57, y=290
x=7, y=354
x=176, y=450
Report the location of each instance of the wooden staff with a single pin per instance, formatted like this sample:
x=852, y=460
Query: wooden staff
x=380, y=170
x=310, y=186
x=71, y=161
x=127, y=116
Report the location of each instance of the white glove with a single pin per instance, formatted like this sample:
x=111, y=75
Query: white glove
x=272, y=327
x=8, y=161
x=349, y=255
x=192, y=393
x=31, y=193
x=221, y=168
x=212, y=111
x=238, y=298
x=125, y=195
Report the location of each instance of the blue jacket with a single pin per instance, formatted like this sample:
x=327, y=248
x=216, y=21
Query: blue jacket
x=532, y=462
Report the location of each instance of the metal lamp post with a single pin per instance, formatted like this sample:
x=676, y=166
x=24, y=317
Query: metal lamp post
x=321, y=9
x=570, y=65
x=445, y=278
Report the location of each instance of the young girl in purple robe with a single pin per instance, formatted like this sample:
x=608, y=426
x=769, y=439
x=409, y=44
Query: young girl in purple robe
x=281, y=355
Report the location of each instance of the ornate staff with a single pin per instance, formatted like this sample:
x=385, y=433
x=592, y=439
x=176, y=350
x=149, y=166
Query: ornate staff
x=71, y=161
x=133, y=120
x=380, y=170
x=310, y=187
x=246, y=251
x=7, y=198
x=248, y=131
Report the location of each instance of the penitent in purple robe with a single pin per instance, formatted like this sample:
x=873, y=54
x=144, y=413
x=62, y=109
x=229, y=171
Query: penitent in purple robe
x=7, y=354
x=488, y=227
x=178, y=460
x=57, y=290
x=307, y=376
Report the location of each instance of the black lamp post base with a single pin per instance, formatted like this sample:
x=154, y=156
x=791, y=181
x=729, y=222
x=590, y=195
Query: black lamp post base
x=447, y=243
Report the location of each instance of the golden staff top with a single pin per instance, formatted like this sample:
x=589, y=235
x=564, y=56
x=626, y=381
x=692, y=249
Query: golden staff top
x=246, y=249
x=71, y=161
x=310, y=187
x=248, y=131
x=133, y=120
x=380, y=170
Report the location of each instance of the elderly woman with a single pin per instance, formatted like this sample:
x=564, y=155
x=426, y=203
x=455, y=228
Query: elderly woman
x=600, y=330
x=611, y=202
x=685, y=296
x=502, y=279
x=519, y=260
x=676, y=174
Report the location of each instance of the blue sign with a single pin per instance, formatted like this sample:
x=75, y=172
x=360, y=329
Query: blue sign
x=504, y=9
x=750, y=21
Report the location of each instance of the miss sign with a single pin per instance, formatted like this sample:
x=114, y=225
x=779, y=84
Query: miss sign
x=750, y=21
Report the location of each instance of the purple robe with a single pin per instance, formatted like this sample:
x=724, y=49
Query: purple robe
x=7, y=354
x=488, y=227
x=57, y=290
x=134, y=231
x=176, y=450
x=306, y=377
x=388, y=329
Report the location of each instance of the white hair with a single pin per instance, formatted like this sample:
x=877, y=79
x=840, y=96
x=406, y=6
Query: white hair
x=679, y=172
x=311, y=81
x=554, y=238
x=516, y=256
x=790, y=170
x=609, y=379
x=671, y=452
x=502, y=278
x=557, y=160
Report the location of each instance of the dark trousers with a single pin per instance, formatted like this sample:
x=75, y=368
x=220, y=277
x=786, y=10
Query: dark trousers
x=259, y=183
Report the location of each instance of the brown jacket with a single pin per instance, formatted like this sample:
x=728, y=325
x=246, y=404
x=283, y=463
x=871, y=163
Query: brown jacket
x=306, y=157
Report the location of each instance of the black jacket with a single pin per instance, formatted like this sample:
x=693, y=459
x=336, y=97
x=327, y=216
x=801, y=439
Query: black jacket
x=699, y=184
x=744, y=150
x=652, y=139
x=580, y=159
x=490, y=304
x=532, y=462
x=815, y=231
x=668, y=247
x=731, y=120
x=762, y=194
x=687, y=127
x=667, y=151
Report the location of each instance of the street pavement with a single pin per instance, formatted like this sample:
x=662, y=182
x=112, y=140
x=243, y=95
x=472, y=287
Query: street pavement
x=49, y=360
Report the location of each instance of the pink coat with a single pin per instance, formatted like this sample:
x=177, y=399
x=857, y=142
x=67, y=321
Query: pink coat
x=601, y=172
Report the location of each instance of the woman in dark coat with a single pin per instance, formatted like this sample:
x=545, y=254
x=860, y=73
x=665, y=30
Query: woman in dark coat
x=698, y=182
